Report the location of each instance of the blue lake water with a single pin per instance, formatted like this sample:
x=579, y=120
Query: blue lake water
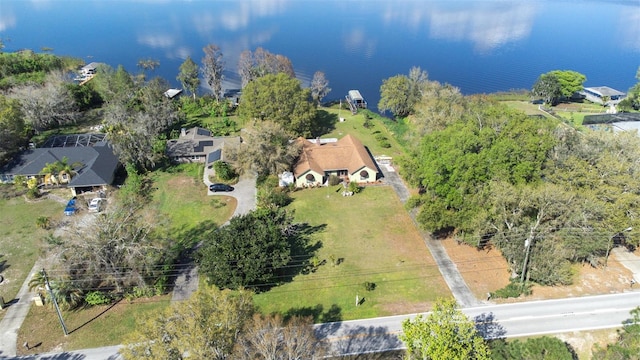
x=478, y=46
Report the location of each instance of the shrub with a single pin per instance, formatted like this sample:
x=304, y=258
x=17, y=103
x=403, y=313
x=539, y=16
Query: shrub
x=513, y=290
x=270, y=197
x=20, y=181
x=224, y=171
x=354, y=187
x=96, y=298
x=33, y=193
x=384, y=144
x=334, y=180
x=369, y=286
x=43, y=222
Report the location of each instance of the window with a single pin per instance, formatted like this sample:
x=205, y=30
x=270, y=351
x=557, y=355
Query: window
x=364, y=175
x=310, y=178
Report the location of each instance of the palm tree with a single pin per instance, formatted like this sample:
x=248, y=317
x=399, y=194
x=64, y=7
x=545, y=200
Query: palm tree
x=67, y=294
x=60, y=171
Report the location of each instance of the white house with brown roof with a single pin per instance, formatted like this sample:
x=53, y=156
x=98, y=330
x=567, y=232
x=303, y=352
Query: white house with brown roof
x=346, y=158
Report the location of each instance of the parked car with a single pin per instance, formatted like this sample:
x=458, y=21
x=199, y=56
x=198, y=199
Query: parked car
x=95, y=205
x=220, y=187
x=70, y=209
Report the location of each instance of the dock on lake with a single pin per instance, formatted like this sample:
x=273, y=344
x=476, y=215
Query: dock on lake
x=355, y=101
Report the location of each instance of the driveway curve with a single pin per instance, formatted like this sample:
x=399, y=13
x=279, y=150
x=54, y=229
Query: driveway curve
x=448, y=268
x=245, y=192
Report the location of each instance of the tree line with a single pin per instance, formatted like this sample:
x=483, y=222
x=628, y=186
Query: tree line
x=545, y=193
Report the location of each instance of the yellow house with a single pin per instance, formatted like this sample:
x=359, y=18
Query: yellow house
x=346, y=158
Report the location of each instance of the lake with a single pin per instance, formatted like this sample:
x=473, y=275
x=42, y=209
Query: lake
x=478, y=46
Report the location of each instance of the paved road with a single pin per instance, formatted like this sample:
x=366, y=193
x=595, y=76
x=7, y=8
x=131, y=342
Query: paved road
x=448, y=268
x=508, y=320
x=493, y=321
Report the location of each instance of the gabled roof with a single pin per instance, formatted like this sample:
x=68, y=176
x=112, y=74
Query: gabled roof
x=198, y=141
x=347, y=153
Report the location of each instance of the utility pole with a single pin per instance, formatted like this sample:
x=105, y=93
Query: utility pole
x=55, y=302
x=527, y=244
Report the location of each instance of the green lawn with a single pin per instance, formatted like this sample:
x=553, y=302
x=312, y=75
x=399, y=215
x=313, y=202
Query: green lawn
x=182, y=197
x=354, y=125
x=375, y=238
x=92, y=327
x=20, y=239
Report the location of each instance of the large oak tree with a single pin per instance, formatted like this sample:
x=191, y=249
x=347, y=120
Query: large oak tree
x=281, y=99
x=250, y=251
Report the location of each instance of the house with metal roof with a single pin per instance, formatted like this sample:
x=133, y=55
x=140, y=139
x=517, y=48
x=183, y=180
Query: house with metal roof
x=198, y=145
x=346, y=158
x=90, y=156
x=603, y=95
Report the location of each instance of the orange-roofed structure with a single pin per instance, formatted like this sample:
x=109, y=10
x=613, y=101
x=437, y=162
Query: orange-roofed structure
x=346, y=158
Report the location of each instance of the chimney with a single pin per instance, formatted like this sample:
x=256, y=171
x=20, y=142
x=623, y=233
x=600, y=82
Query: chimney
x=318, y=140
x=183, y=132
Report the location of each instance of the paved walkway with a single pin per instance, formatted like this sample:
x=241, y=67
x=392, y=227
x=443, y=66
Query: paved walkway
x=628, y=260
x=14, y=316
x=245, y=193
x=448, y=268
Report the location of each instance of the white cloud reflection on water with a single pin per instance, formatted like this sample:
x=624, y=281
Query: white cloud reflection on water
x=7, y=20
x=628, y=32
x=488, y=25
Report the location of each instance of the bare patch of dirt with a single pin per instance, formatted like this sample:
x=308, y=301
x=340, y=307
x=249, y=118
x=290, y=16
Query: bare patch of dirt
x=483, y=270
x=583, y=342
x=486, y=271
x=179, y=181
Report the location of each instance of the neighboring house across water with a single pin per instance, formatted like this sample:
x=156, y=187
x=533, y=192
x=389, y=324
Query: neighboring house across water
x=197, y=145
x=603, y=95
x=91, y=158
x=346, y=158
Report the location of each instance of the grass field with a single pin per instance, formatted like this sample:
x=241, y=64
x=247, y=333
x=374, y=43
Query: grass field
x=373, y=238
x=354, y=125
x=182, y=197
x=92, y=327
x=20, y=239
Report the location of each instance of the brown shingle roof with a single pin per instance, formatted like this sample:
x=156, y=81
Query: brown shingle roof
x=347, y=153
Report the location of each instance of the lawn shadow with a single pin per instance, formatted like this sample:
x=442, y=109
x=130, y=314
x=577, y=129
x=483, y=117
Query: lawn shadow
x=302, y=251
x=187, y=241
x=3, y=266
x=488, y=327
x=95, y=317
x=317, y=313
x=325, y=122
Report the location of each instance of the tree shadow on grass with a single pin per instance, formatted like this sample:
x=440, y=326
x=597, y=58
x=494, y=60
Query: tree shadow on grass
x=325, y=122
x=302, y=251
x=317, y=313
x=3, y=265
x=95, y=317
x=187, y=240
